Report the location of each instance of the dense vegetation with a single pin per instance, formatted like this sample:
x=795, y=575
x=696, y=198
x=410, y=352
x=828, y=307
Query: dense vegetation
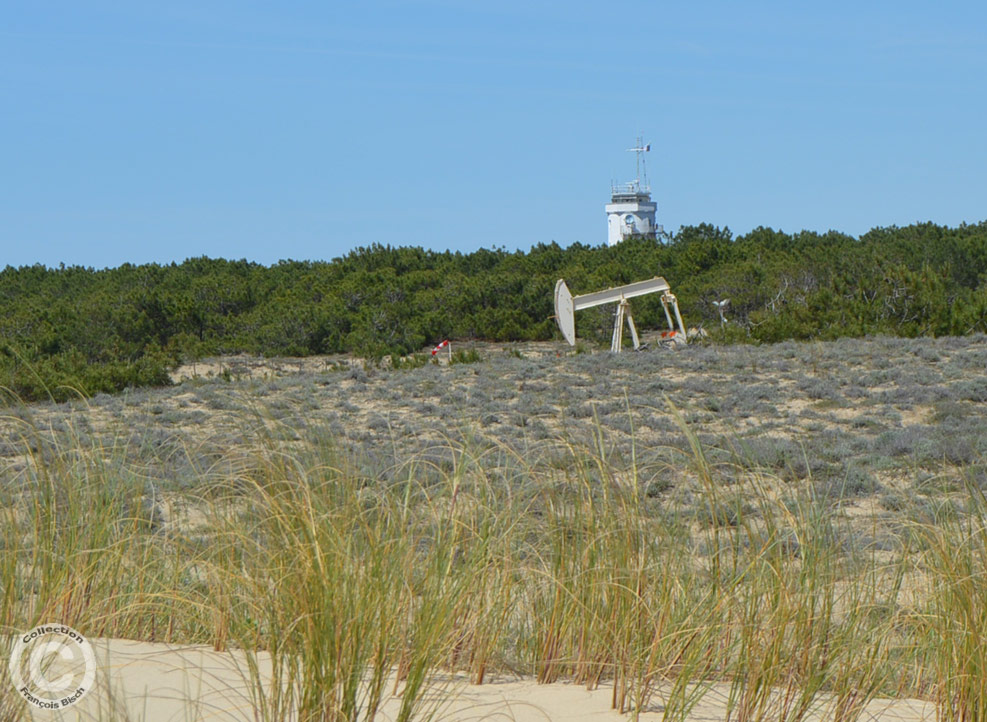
x=76, y=329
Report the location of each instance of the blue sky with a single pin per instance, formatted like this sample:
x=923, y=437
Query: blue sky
x=138, y=132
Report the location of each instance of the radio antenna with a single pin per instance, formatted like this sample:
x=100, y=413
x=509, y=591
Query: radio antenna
x=639, y=150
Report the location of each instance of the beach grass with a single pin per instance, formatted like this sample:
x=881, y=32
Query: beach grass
x=345, y=582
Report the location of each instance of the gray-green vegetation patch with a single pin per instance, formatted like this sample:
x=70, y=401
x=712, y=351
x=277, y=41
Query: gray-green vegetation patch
x=851, y=408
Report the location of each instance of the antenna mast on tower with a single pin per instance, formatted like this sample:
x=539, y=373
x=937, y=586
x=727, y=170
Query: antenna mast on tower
x=639, y=150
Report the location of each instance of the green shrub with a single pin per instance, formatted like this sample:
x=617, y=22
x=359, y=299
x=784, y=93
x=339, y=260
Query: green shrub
x=469, y=356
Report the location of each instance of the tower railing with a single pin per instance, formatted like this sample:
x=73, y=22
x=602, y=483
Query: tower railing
x=630, y=189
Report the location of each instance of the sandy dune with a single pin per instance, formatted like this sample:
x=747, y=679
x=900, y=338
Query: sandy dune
x=144, y=681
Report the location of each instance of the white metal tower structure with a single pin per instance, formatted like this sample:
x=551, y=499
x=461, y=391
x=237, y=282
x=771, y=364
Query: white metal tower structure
x=631, y=212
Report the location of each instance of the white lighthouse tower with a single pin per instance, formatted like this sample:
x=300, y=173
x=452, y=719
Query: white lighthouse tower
x=631, y=212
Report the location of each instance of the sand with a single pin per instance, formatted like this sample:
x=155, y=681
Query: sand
x=159, y=683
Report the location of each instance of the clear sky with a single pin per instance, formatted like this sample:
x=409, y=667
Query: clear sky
x=138, y=131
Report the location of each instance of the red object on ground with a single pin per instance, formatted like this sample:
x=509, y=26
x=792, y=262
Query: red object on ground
x=440, y=347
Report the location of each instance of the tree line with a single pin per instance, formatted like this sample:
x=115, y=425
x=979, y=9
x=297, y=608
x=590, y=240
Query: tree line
x=73, y=329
